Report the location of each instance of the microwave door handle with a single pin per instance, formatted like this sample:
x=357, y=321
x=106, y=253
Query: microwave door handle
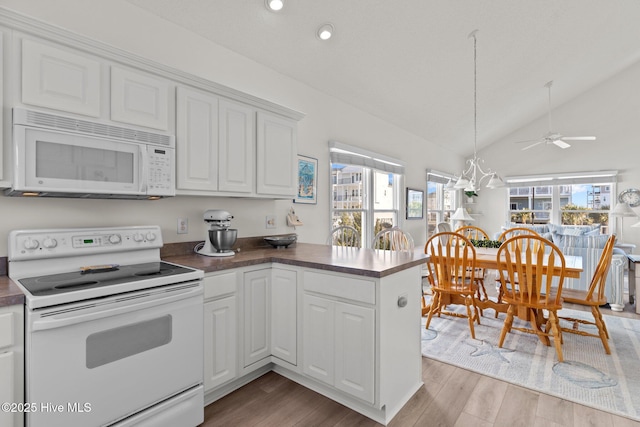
x=142, y=167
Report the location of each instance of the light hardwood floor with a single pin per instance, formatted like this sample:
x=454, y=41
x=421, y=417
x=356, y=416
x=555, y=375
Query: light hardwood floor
x=451, y=396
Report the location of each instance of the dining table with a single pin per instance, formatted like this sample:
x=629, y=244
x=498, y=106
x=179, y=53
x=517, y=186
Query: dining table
x=486, y=258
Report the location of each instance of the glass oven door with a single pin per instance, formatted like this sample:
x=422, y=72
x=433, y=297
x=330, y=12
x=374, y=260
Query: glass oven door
x=95, y=362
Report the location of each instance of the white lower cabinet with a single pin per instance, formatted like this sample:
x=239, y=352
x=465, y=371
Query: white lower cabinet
x=257, y=316
x=284, y=313
x=338, y=345
x=220, y=330
x=11, y=363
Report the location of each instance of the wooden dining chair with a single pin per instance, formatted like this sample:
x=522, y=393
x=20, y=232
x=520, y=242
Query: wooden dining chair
x=344, y=235
x=449, y=259
x=506, y=235
x=393, y=239
x=593, y=297
x=531, y=273
x=472, y=232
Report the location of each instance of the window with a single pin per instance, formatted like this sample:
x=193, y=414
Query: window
x=440, y=202
x=575, y=199
x=366, y=190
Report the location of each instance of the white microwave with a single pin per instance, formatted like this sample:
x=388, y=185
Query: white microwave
x=59, y=156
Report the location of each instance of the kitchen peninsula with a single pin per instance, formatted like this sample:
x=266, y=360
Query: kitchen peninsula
x=343, y=322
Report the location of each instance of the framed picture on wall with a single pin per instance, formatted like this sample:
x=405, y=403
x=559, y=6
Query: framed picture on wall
x=415, y=203
x=307, y=191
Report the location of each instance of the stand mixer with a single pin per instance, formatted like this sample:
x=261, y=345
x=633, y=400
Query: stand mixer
x=220, y=238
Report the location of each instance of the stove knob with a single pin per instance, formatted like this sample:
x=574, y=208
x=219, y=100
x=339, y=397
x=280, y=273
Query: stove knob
x=114, y=239
x=151, y=236
x=50, y=243
x=31, y=244
x=138, y=237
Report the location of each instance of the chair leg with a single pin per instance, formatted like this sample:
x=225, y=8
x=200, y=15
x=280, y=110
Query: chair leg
x=499, y=300
x=602, y=329
x=435, y=306
x=468, y=304
x=557, y=334
x=508, y=322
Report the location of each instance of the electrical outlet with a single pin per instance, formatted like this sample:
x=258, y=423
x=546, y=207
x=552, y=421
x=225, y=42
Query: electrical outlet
x=183, y=225
x=270, y=221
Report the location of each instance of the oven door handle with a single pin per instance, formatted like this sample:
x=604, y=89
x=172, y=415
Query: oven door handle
x=115, y=306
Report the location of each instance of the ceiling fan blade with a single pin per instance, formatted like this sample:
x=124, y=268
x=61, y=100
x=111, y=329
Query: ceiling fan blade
x=532, y=145
x=560, y=143
x=526, y=140
x=579, y=138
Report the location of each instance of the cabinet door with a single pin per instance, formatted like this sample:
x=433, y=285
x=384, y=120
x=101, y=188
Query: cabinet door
x=237, y=147
x=139, y=99
x=318, y=334
x=354, y=350
x=59, y=79
x=7, y=388
x=220, y=341
x=284, y=314
x=276, y=155
x=197, y=140
x=256, y=316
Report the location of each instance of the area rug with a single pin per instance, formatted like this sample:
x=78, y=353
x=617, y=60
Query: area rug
x=587, y=376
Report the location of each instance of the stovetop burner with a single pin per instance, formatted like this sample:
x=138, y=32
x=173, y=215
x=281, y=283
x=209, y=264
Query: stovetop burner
x=73, y=281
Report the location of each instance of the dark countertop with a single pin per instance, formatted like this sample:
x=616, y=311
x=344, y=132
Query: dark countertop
x=10, y=293
x=362, y=262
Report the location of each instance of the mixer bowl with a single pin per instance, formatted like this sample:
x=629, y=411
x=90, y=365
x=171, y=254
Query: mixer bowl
x=223, y=240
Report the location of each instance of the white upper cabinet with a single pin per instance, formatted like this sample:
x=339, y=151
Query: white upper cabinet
x=60, y=79
x=237, y=147
x=197, y=140
x=277, y=154
x=139, y=99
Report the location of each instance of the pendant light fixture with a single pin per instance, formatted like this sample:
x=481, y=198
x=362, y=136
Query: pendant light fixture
x=472, y=177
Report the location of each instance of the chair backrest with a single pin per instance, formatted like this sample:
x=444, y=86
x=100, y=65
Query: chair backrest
x=393, y=239
x=516, y=231
x=473, y=232
x=344, y=235
x=443, y=226
x=533, y=266
x=451, y=256
x=599, y=277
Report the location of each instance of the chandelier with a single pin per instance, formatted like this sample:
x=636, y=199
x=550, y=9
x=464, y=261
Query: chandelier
x=473, y=176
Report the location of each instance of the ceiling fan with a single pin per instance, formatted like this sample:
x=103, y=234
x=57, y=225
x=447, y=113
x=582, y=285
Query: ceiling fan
x=554, y=137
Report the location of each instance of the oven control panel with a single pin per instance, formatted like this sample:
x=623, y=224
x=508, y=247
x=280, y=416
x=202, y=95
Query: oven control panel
x=51, y=243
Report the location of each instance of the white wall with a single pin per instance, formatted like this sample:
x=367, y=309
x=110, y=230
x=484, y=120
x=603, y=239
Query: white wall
x=127, y=27
x=611, y=111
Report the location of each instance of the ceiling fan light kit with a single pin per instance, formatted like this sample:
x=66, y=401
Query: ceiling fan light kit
x=554, y=138
x=472, y=177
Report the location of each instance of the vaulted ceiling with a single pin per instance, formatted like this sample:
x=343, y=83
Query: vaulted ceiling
x=410, y=62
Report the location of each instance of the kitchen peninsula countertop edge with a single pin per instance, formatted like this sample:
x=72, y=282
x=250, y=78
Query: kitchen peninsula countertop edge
x=357, y=261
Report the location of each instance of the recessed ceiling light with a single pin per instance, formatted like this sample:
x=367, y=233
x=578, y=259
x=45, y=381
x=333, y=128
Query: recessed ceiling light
x=274, y=5
x=325, y=31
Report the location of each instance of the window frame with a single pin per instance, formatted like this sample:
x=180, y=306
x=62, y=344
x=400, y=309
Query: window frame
x=371, y=163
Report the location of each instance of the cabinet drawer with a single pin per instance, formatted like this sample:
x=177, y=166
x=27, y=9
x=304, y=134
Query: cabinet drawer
x=219, y=285
x=351, y=288
x=6, y=330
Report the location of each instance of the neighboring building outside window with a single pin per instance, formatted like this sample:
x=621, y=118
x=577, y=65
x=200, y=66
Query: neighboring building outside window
x=582, y=200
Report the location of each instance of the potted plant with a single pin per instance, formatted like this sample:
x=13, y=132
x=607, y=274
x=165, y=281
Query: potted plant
x=470, y=195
